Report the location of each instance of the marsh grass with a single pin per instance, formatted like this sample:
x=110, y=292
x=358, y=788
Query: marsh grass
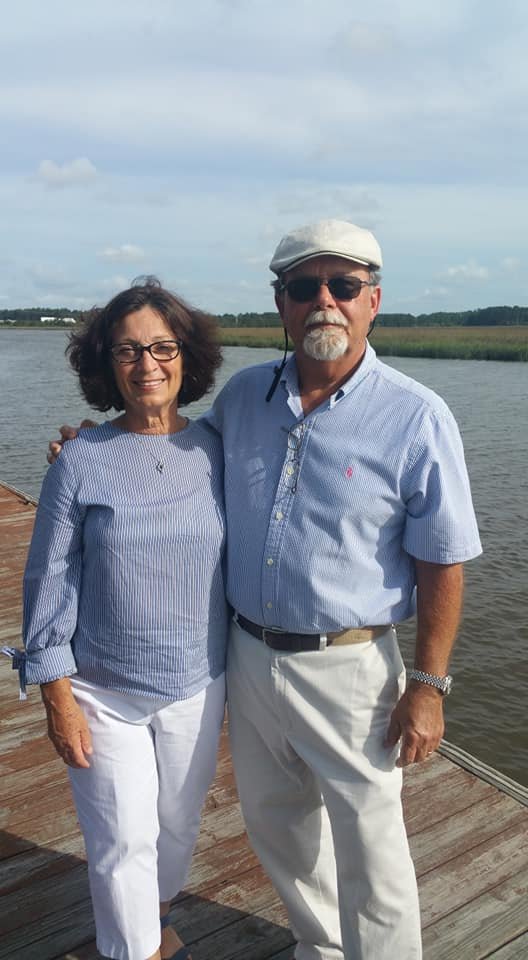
x=442, y=343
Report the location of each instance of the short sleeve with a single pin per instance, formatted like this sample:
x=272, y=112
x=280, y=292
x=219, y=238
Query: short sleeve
x=440, y=525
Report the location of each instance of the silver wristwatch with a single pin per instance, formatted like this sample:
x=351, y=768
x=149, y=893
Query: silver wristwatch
x=443, y=684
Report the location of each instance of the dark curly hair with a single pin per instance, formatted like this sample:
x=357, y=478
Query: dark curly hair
x=89, y=348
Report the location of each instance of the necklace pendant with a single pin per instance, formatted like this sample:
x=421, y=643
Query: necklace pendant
x=159, y=466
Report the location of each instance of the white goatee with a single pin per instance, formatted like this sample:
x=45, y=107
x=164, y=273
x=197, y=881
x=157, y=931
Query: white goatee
x=325, y=343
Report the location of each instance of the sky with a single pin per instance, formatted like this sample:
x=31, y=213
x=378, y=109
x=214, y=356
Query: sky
x=184, y=139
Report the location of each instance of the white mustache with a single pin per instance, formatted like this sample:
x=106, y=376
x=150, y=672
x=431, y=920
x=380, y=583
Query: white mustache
x=334, y=317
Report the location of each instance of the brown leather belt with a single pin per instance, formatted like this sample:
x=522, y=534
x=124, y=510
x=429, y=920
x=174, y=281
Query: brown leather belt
x=299, y=642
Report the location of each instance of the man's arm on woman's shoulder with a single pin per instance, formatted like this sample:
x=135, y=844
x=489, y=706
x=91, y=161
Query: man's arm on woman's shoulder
x=67, y=433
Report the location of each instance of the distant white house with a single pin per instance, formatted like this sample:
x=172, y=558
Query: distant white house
x=57, y=320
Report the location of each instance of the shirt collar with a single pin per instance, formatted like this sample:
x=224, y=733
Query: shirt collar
x=290, y=377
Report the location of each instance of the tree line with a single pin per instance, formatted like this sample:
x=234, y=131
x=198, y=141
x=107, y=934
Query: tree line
x=483, y=317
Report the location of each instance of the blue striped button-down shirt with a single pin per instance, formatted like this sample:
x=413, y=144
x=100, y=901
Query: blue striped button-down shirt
x=326, y=512
x=124, y=580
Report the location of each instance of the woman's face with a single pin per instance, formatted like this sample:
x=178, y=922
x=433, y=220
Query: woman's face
x=148, y=385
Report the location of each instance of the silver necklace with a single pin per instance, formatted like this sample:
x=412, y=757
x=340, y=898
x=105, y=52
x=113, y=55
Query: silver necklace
x=160, y=464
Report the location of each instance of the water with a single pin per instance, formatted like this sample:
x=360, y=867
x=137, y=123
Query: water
x=486, y=713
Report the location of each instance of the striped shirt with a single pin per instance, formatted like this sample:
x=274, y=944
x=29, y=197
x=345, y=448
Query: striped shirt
x=124, y=582
x=326, y=512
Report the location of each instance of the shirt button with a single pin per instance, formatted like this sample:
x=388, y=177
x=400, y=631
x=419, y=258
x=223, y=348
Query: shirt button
x=279, y=515
x=269, y=561
x=289, y=471
x=269, y=604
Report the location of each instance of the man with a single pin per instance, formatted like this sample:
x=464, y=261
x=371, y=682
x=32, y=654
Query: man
x=348, y=505
x=345, y=489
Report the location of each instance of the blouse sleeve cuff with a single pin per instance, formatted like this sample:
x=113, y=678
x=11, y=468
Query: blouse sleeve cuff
x=41, y=666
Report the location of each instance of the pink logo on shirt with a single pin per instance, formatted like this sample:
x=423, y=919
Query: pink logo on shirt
x=349, y=471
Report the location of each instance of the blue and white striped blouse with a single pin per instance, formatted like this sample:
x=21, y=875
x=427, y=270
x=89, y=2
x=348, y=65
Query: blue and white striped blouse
x=124, y=581
x=327, y=512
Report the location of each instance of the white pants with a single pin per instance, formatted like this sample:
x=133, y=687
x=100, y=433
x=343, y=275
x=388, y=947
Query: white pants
x=139, y=805
x=321, y=794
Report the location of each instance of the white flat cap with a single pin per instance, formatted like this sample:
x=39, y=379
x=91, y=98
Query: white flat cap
x=337, y=238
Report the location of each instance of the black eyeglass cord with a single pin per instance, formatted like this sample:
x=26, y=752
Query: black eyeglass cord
x=279, y=369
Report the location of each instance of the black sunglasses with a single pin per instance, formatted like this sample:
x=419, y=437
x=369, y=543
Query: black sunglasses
x=304, y=289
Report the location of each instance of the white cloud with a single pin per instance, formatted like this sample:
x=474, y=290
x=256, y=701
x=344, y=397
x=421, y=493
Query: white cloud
x=418, y=300
x=115, y=283
x=126, y=253
x=359, y=38
x=258, y=261
x=48, y=277
x=467, y=271
x=311, y=201
x=510, y=264
x=76, y=173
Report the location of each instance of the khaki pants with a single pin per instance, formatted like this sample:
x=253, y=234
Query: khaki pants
x=321, y=794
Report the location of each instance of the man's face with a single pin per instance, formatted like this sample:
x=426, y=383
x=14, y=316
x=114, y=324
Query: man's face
x=329, y=328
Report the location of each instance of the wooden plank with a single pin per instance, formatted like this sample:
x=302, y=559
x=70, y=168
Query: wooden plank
x=18, y=735
x=15, y=785
x=464, y=831
x=41, y=863
x=14, y=496
x=258, y=937
x=17, y=909
x=41, y=818
x=454, y=791
x=32, y=751
x=50, y=935
x=226, y=903
x=86, y=952
x=474, y=873
x=485, y=772
x=418, y=777
x=483, y=925
x=18, y=714
x=514, y=950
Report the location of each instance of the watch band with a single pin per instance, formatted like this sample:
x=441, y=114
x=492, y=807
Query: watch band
x=443, y=684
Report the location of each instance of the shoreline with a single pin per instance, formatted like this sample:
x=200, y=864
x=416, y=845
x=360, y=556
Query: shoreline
x=502, y=343
x=508, y=344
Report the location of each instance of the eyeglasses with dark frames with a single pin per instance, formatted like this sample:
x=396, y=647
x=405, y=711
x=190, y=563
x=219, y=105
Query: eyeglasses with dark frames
x=132, y=352
x=305, y=289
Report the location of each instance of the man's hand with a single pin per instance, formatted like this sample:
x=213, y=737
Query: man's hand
x=67, y=433
x=67, y=726
x=418, y=719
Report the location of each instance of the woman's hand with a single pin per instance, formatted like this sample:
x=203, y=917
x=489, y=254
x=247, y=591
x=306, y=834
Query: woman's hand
x=67, y=726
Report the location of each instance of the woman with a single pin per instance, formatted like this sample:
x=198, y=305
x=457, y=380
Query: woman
x=124, y=612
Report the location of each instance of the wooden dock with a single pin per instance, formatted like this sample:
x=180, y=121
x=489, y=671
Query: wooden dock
x=467, y=827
